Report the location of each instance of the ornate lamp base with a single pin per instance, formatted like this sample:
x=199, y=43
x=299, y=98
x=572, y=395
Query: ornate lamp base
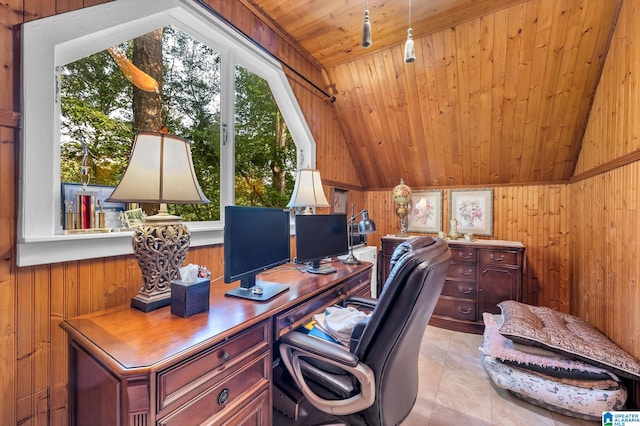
x=161, y=247
x=352, y=259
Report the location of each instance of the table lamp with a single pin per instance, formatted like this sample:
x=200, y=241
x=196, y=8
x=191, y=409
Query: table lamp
x=160, y=171
x=365, y=226
x=401, y=194
x=308, y=191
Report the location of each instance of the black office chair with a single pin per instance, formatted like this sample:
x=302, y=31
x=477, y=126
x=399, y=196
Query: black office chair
x=375, y=382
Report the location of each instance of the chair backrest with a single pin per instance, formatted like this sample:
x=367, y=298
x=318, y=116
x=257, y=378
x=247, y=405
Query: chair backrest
x=390, y=343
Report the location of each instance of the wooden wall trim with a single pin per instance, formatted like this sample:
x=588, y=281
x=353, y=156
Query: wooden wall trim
x=629, y=158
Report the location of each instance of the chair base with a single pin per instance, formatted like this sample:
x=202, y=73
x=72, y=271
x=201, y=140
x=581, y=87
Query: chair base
x=290, y=407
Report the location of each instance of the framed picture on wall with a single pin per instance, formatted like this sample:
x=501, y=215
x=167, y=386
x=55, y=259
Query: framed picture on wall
x=473, y=209
x=425, y=213
x=339, y=200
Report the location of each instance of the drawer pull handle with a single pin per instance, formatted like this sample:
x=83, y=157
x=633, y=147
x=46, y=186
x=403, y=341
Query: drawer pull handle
x=497, y=259
x=291, y=320
x=223, y=396
x=465, y=274
x=226, y=356
x=466, y=255
x=464, y=311
x=463, y=291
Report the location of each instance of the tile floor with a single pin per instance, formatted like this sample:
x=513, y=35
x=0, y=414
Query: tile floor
x=455, y=389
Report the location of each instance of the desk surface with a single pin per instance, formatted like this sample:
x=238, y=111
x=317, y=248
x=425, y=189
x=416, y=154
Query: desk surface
x=131, y=340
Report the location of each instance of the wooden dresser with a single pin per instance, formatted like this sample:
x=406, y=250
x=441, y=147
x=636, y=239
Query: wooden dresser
x=482, y=274
x=133, y=368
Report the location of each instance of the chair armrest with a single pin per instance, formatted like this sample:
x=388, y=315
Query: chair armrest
x=295, y=346
x=322, y=349
x=361, y=302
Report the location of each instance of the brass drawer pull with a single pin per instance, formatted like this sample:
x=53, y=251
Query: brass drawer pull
x=463, y=291
x=468, y=255
x=226, y=356
x=465, y=274
x=497, y=259
x=464, y=311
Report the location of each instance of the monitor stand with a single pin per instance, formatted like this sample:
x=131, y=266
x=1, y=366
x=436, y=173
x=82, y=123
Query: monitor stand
x=316, y=268
x=257, y=290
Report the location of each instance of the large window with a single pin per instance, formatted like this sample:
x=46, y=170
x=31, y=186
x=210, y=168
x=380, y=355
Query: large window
x=218, y=90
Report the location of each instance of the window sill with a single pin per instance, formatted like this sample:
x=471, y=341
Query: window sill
x=62, y=248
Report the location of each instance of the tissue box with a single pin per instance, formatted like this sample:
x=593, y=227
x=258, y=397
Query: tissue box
x=190, y=298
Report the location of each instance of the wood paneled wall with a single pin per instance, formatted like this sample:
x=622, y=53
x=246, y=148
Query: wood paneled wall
x=606, y=227
x=613, y=130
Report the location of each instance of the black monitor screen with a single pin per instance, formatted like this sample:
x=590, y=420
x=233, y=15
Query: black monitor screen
x=255, y=239
x=320, y=236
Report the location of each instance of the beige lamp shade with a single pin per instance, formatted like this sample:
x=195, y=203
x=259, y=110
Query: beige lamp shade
x=308, y=190
x=160, y=170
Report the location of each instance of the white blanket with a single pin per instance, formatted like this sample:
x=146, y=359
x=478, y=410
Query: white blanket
x=338, y=322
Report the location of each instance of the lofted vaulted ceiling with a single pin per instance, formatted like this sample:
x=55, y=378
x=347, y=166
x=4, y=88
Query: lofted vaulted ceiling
x=500, y=92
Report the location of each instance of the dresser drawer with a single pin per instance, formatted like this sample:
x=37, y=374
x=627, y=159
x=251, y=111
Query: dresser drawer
x=463, y=254
x=360, y=284
x=235, y=390
x=462, y=271
x=498, y=257
x=456, y=308
x=189, y=377
x=298, y=315
x=462, y=289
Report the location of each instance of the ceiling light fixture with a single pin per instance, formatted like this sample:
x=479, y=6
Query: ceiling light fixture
x=366, y=28
x=409, y=52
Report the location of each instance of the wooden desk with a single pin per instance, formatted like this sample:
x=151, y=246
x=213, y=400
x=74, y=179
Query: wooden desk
x=133, y=368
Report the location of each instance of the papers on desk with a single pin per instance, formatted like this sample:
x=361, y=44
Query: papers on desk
x=336, y=323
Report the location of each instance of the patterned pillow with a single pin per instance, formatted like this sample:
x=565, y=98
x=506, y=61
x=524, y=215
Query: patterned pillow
x=565, y=334
x=535, y=359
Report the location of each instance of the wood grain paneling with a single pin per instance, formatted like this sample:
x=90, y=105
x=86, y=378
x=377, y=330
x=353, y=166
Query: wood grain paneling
x=606, y=221
x=605, y=244
x=499, y=99
x=613, y=130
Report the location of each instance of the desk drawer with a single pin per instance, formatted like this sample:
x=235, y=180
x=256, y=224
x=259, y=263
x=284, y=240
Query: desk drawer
x=300, y=314
x=190, y=376
x=498, y=257
x=227, y=395
x=456, y=308
x=461, y=289
x=462, y=271
x=463, y=254
x=360, y=284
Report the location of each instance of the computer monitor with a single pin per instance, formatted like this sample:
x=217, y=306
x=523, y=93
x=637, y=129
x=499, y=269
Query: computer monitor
x=319, y=236
x=255, y=239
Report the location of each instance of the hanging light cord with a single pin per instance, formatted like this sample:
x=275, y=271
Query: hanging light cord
x=409, y=52
x=366, y=28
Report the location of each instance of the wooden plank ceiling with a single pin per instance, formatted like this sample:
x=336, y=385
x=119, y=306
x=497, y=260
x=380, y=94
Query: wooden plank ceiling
x=499, y=94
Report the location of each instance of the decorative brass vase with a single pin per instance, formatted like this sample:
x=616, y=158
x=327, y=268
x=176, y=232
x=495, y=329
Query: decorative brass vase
x=403, y=212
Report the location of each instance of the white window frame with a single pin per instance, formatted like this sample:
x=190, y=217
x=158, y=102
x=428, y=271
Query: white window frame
x=52, y=42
